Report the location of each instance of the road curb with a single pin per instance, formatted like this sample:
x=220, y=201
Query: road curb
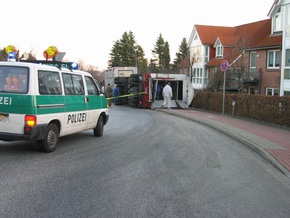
x=248, y=139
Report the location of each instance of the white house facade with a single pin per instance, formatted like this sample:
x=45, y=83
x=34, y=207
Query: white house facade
x=280, y=15
x=199, y=56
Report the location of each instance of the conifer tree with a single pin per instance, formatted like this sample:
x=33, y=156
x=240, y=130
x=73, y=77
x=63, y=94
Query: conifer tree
x=161, y=53
x=166, y=57
x=142, y=61
x=182, y=53
x=125, y=53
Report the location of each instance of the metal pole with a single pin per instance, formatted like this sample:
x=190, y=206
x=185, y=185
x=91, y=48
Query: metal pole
x=224, y=93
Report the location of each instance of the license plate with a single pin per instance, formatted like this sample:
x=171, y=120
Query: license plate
x=4, y=118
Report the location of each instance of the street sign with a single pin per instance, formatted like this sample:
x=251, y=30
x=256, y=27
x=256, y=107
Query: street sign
x=224, y=65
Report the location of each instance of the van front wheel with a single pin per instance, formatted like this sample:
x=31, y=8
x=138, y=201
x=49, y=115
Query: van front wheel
x=48, y=144
x=98, y=131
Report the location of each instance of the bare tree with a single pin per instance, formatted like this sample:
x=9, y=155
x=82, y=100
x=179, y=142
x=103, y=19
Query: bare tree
x=238, y=71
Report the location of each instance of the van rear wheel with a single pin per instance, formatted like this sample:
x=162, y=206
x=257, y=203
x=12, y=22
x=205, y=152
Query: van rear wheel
x=48, y=144
x=98, y=131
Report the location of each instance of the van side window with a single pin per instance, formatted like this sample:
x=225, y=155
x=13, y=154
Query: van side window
x=49, y=83
x=68, y=84
x=14, y=79
x=78, y=84
x=91, y=85
x=73, y=84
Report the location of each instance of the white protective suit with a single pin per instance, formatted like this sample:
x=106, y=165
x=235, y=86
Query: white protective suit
x=167, y=95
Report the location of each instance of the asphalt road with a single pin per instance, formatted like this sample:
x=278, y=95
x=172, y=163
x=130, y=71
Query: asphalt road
x=147, y=164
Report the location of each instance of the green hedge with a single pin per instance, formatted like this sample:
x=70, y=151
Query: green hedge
x=270, y=109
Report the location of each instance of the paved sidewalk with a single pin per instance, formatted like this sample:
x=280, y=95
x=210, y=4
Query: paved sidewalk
x=272, y=142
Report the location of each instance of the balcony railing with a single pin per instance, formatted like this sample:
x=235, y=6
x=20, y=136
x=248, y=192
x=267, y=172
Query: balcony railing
x=252, y=76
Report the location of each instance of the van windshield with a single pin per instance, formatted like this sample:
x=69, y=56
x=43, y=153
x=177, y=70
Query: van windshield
x=14, y=79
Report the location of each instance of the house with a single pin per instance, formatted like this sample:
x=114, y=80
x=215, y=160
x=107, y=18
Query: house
x=184, y=66
x=280, y=15
x=254, y=52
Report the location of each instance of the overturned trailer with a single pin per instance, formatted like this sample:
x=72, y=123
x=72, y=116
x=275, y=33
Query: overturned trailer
x=151, y=85
x=114, y=72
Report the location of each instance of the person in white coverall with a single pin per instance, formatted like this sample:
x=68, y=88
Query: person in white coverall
x=167, y=95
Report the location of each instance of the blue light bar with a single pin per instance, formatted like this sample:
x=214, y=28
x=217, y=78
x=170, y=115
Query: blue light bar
x=74, y=65
x=11, y=56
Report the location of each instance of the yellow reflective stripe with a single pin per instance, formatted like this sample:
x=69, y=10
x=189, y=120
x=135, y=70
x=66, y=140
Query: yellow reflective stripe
x=123, y=96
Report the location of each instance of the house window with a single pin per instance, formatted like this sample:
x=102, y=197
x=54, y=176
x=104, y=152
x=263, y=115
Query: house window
x=197, y=75
x=273, y=60
x=197, y=55
x=253, y=56
x=287, y=64
x=193, y=75
x=206, y=77
x=252, y=90
x=272, y=91
x=287, y=58
x=206, y=56
x=287, y=22
x=287, y=74
x=219, y=50
x=277, y=21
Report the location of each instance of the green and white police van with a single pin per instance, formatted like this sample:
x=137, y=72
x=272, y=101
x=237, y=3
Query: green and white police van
x=45, y=100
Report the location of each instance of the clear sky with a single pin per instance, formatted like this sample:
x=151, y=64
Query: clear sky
x=86, y=29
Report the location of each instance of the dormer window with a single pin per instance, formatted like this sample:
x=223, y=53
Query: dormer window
x=277, y=21
x=219, y=50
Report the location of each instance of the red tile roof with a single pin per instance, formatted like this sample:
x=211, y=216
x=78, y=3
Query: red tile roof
x=184, y=63
x=231, y=56
x=257, y=34
x=214, y=62
x=209, y=34
x=229, y=40
x=270, y=41
x=248, y=36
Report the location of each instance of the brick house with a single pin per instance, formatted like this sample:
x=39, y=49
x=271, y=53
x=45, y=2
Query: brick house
x=184, y=66
x=247, y=48
x=254, y=52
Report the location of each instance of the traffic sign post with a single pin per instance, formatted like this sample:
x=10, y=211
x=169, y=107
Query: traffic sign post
x=224, y=67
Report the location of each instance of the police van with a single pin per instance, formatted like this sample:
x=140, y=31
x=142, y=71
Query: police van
x=45, y=100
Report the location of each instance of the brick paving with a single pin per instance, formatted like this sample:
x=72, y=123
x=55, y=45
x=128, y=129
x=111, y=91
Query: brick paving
x=271, y=141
